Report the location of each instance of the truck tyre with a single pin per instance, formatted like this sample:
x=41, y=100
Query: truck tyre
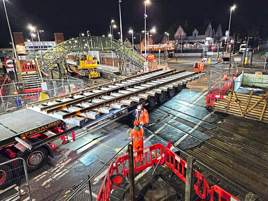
x=5, y=176
x=36, y=158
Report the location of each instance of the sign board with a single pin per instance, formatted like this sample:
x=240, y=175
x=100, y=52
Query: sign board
x=237, y=59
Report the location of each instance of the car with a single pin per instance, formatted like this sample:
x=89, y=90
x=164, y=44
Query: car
x=243, y=48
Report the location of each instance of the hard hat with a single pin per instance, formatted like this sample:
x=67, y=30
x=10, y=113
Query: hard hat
x=136, y=123
x=139, y=107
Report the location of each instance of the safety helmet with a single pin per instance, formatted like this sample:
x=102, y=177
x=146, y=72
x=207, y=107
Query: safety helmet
x=139, y=107
x=136, y=123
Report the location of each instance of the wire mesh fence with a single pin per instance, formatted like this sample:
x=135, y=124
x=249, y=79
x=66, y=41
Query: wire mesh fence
x=14, y=182
x=218, y=75
x=86, y=190
x=13, y=97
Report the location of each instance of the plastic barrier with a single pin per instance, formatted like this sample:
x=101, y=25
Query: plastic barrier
x=161, y=155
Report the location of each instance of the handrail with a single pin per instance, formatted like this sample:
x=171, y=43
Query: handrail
x=161, y=155
x=84, y=44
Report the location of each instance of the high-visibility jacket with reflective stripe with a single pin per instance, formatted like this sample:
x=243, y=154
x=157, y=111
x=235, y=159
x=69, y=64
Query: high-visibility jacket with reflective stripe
x=137, y=138
x=143, y=117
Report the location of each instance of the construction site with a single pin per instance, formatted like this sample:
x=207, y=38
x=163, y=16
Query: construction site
x=95, y=118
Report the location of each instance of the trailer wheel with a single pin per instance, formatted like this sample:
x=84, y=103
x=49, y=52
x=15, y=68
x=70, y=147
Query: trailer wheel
x=36, y=158
x=5, y=177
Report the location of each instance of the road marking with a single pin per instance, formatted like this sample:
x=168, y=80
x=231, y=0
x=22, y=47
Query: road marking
x=100, y=176
x=193, y=129
x=165, y=124
x=93, y=194
x=148, y=138
x=203, y=94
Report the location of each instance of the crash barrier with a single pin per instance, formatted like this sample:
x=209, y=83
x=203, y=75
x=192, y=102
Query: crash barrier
x=14, y=181
x=160, y=155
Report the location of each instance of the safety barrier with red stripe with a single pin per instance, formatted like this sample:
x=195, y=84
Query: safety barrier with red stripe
x=216, y=94
x=160, y=155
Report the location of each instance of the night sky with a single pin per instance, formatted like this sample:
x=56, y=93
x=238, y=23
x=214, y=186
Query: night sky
x=74, y=16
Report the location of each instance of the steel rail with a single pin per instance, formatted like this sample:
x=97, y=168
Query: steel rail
x=58, y=106
x=96, y=87
x=123, y=96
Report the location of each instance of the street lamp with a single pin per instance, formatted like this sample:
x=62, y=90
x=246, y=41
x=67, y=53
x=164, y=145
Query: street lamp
x=232, y=9
x=112, y=27
x=10, y=31
x=131, y=32
x=35, y=33
x=153, y=30
x=167, y=34
x=120, y=20
x=146, y=3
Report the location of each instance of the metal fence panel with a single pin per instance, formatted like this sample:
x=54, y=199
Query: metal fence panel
x=10, y=99
x=14, y=181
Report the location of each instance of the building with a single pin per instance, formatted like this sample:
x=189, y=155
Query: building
x=36, y=45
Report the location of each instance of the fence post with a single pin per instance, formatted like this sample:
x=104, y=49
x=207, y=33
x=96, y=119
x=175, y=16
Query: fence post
x=188, y=183
x=26, y=177
x=131, y=172
x=89, y=187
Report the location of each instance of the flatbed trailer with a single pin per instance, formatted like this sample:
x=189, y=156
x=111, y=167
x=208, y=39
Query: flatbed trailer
x=24, y=123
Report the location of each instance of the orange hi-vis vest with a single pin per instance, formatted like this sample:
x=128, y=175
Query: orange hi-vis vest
x=143, y=117
x=137, y=138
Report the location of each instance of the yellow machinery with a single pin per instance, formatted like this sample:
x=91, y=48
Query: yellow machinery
x=89, y=64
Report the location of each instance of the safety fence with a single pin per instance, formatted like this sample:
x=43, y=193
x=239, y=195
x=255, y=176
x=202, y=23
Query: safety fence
x=84, y=190
x=220, y=81
x=14, y=181
x=13, y=97
x=158, y=154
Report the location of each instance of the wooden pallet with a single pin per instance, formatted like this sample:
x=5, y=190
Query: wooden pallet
x=244, y=105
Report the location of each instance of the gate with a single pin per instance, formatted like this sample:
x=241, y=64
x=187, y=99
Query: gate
x=14, y=181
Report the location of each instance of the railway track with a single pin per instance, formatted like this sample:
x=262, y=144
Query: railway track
x=92, y=105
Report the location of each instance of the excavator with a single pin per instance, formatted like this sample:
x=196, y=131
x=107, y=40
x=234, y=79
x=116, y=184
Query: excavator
x=88, y=64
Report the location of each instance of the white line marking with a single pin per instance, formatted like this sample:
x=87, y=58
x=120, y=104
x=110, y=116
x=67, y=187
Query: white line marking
x=193, y=129
x=165, y=124
x=93, y=194
x=100, y=176
x=205, y=93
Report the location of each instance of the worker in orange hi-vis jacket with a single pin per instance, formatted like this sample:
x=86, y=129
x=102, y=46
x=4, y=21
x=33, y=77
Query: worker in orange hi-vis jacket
x=136, y=136
x=142, y=115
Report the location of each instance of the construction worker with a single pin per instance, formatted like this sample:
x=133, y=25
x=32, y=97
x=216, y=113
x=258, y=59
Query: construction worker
x=142, y=115
x=136, y=136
